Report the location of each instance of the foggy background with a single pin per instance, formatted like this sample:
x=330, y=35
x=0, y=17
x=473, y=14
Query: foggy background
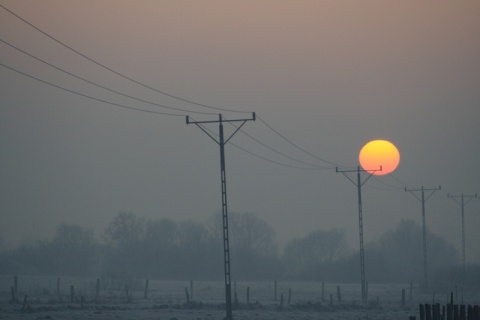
x=328, y=76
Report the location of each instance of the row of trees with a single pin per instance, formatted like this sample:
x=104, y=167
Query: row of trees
x=132, y=246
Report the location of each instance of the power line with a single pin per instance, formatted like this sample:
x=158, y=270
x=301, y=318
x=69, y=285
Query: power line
x=280, y=153
x=385, y=183
x=164, y=106
x=151, y=88
x=296, y=146
x=99, y=85
x=90, y=97
x=116, y=72
x=273, y=161
x=151, y=111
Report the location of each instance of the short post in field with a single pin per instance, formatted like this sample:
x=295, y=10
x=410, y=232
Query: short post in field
x=275, y=291
x=187, y=296
x=97, y=290
x=72, y=293
x=15, y=284
x=145, y=292
x=191, y=289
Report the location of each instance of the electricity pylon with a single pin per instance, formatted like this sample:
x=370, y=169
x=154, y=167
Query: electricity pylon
x=462, y=204
x=226, y=246
x=359, y=185
x=422, y=199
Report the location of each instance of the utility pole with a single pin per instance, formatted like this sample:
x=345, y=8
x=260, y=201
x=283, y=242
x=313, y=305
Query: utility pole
x=464, y=200
x=422, y=199
x=226, y=246
x=359, y=185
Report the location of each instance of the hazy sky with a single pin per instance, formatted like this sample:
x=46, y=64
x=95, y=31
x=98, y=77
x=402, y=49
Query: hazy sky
x=327, y=75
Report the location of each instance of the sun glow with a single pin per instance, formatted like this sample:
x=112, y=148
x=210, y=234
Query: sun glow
x=379, y=153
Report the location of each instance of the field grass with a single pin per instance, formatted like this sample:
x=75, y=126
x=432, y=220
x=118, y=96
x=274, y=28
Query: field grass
x=124, y=299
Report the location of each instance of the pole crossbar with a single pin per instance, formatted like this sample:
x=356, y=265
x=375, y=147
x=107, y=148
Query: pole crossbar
x=359, y=185
x=424, y=199
x=226, y=246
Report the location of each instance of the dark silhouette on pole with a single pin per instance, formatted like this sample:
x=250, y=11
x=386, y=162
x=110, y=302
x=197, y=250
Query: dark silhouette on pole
x=226, y=246
x=359, y=184
x=423, y=200
x=462, y=204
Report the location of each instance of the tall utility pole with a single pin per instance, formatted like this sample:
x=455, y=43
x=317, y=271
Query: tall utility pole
x=226, y=246
x=462, y=204
x=359, y=185
x=422, y=199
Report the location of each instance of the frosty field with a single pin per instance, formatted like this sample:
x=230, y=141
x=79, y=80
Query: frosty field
x=124, y=299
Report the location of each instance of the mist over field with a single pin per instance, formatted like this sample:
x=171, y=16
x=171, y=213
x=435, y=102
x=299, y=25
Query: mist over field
x=132, y=247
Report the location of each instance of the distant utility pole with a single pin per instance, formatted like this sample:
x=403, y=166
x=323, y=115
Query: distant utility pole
x=226, y=247
x=464, y=200
x=422, y=199
x=359, y=185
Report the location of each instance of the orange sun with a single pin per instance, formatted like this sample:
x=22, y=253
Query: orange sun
x=378, y=153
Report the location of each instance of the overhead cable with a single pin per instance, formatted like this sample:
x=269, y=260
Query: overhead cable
x=90, y=97
x=116, y=72
x=296, y=146
x=99, y=85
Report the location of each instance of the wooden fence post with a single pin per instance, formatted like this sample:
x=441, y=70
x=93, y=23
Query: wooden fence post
x=450, y=311
x=411, y=292
x=248, y=295
x=191, y=289
x=24, y=307
x=275, y=291
x=187, y=295
x=463, y=315
x=72, y=293
x=323, y=291
x=436, y=311
x=366, y=290
x=403, y=298
x=428, y=312
x=145, y=292
x=14, y=299
x=15, y=284
x=422, y=312
x=97, y=290
x=289, y=296
x=129, y=299
x=339, y=295
x=58, y=286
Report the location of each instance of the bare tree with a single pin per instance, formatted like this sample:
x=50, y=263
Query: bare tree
x=125, y=230
x=397, y=255
x=311, y=256
x=253, y=250
x=247, y=232
x=74, y=250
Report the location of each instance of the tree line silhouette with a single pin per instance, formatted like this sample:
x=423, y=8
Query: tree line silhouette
x=132, y=246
